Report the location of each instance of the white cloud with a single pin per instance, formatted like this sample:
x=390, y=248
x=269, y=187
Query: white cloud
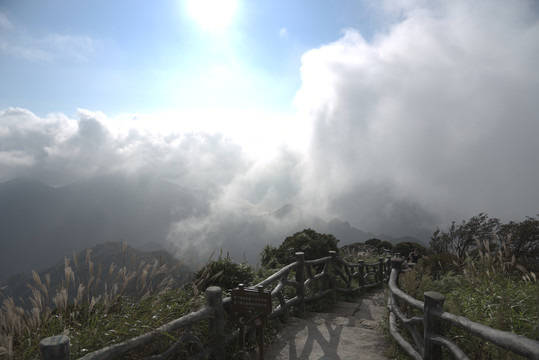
x=76, y=47
x=67, y=150
x=15, y=159
x=22, y=52
x=5, y=23
x=20, y=43
x=439, y=112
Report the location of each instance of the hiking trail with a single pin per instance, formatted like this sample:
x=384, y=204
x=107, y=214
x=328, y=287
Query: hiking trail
x=352, y=330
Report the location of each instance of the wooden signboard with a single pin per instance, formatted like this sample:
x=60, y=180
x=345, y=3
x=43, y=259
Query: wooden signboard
x=250, y=303
x=251, y=307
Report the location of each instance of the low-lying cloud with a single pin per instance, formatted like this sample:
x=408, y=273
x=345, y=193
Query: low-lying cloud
x=432, y=121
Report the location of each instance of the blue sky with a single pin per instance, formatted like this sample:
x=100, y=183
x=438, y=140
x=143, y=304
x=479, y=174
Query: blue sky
x=138, y=56
x=397, y=115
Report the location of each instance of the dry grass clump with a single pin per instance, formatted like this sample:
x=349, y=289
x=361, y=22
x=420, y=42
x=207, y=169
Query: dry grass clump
x=488, y=287
x=82, y=296
x=501, y=261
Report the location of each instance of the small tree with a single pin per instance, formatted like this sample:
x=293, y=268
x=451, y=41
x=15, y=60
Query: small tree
x=384, y=245
x=522, y=241
x=406, y=247
x=459, y=239
x=439, y=242
x=373, y=242
x=315, y=245
x=268, y=257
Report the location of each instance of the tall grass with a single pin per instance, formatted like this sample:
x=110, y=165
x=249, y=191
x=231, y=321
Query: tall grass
x=488, y=287
x=87, y=302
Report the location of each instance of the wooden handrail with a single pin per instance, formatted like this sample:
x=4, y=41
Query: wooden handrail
x=517, y=344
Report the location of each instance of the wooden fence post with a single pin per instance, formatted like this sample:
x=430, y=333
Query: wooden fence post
x=54, y=348
x=361, y=273
x=431, y=325
x=396, y=263
x=300, y=280
x=332, y=274
x=380, y=270
x=216, y=323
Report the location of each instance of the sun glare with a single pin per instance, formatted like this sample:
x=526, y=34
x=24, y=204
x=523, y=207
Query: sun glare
x=212, y=14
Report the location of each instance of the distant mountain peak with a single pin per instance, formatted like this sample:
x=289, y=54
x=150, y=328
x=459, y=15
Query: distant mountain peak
x=285, y=210
x=337, y=221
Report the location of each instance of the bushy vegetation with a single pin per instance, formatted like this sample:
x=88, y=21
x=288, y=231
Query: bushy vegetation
x=519, y=239
x=225, y=273
x=440, y=265
x=479, y=267
x=93, y=307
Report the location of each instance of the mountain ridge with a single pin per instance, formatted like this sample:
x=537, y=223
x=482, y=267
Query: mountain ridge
x=341, y=229
x=42, y=224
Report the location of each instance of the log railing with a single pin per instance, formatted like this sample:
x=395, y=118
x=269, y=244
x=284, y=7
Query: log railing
x=429, y=344
x=294, y=285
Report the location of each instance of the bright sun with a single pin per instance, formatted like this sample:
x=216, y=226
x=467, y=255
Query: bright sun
x=212, y=14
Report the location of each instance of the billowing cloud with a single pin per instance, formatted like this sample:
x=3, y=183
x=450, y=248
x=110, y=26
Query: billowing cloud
x=59, y=150
x=437, y=116
x=234, y=190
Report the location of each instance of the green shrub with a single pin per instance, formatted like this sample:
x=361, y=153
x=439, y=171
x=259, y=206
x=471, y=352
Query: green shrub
x=315, y=245
x=404, y=248
x=385, y=245
x=441, y=264
x=225, y=273
x=522, y=240
x=417, y=281
x=268, y=258
x=373, y=242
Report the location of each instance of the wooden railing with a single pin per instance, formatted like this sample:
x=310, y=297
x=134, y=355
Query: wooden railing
x=429, y=344
x=294, y=285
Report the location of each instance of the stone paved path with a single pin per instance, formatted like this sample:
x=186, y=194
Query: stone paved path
x=351, y=331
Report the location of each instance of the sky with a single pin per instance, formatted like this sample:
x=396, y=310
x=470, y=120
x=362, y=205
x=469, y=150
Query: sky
x=398, y=116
